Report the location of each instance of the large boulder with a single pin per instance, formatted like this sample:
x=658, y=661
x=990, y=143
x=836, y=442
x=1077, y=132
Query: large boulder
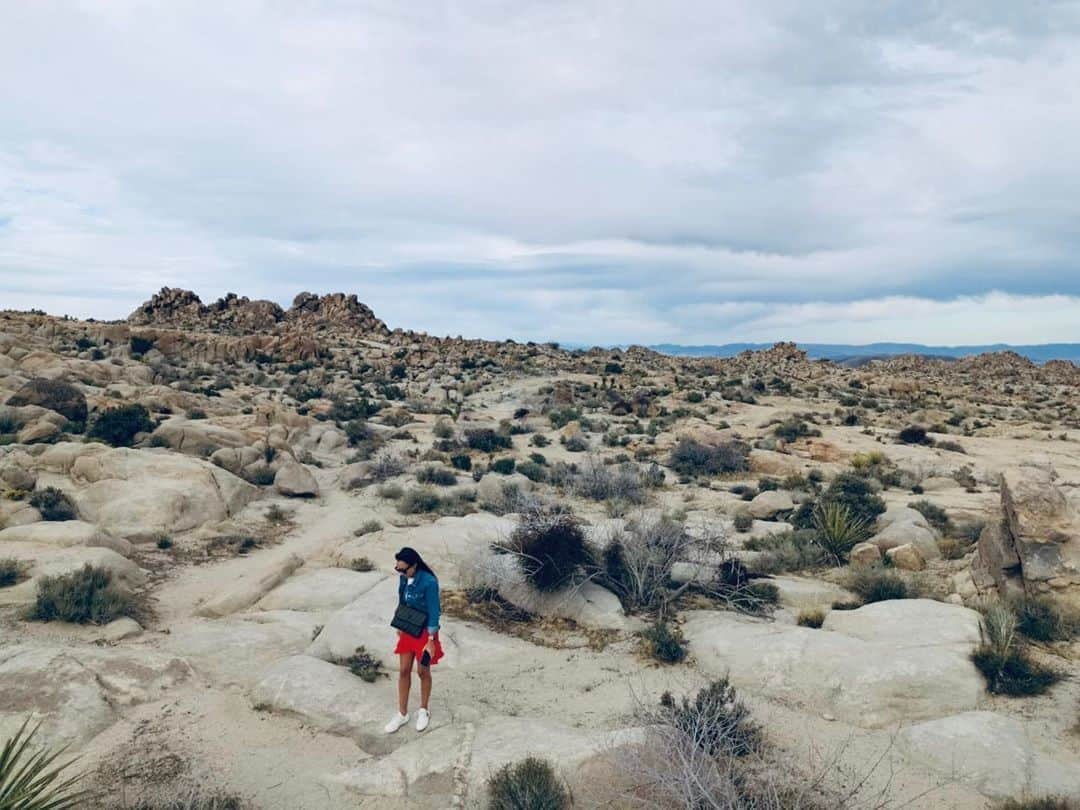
x=768, y=504
x=236, y=650
x=265, y=574
x=326, y=696
x=907, y=623
x=321, y=589
x=996, y=754
x=901, y=533
x=199, y=437
x=295, y=480
x=139, y=493
x=51, y=561
x=78, y=691
x=805, y=593
x=869, y=683
x=63, y=534
x=55, y=395
x=1041, y=532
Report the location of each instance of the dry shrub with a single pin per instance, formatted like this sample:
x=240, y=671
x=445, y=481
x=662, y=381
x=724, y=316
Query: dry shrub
x=550, y=547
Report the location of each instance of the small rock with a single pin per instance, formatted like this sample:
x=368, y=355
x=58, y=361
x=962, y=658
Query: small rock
x=121, y=629
x=864, y=554
x=906, y=558
x=954, y=599
x=296, y=480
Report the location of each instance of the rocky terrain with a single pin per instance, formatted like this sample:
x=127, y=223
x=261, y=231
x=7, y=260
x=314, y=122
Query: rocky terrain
x=883, y=562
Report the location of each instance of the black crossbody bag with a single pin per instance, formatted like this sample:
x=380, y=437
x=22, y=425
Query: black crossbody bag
x=409, y=620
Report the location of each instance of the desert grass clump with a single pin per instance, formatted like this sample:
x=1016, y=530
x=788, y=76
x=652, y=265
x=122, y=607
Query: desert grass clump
x=1040, y=618
x=743, y=521
x=934, y=514
x=365, y=666
x=119, y=426
x=787, y=551
x=533, y=471
x=550, y=547
x=1001, y=658
x=1041, y=803
x=602, y=482
x=838, y=530
x=31, y=778
x=664, y=642
x=87, y=595
x=530, y=784
x=419, y=501
x=361, y=564
x=11, y=571
x=716, y=720
x=276, y=515
x=53, y=504
x=875, y=583
x=193, y=799
x=486, y=440
x=385, y=466
x=439, y=476
x=691, y=458
x=811, y=618
x=367, y=528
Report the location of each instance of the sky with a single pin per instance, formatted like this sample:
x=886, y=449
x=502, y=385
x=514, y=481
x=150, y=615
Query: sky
x=689, y=171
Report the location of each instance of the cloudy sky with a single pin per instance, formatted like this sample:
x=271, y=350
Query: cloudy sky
x=682, y=171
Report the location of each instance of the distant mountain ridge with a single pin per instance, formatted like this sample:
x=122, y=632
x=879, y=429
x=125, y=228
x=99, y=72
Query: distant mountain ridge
x=841, y=352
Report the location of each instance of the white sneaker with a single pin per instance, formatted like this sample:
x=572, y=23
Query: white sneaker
x=398, y=721
x=423, y=717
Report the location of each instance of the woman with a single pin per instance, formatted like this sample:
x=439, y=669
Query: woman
x=418, y=588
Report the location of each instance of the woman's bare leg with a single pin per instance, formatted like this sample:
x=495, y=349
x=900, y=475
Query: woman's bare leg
x=404, y=681
x=425, y=684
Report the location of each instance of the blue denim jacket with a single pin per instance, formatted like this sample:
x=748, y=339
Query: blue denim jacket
x=423, y=595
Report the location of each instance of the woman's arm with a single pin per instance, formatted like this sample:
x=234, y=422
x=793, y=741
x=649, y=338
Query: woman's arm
x=432, y=599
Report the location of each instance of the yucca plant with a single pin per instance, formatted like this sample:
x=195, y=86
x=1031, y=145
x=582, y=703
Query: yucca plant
x=839, y=530
x=32, y=780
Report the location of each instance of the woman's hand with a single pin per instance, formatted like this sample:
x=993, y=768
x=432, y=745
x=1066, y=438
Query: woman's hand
x=430, y=647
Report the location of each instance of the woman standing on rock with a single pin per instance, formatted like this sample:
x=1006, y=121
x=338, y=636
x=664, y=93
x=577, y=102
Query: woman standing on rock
x=418, y=589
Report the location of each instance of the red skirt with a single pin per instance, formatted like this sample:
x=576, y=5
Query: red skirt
x=408, y=644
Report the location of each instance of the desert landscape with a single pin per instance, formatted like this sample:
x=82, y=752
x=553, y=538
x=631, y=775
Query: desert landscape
x=753, y=582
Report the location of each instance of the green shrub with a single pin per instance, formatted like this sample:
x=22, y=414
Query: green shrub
x=417, y=501
x=440, y=476
x=1040, y=618
x=461, y=462
x=794, y=429
x=532, y=471
x=530, y=784
x=787, y=551
x=196, y=413
x=854, y=492
x=9, y=425
x=486, y=440
x=744, y=521
x=365, y=666
x=1043, y=803
x=53, y=504
x=539, y=440
x=562, y=417
x=260, y=476
x=577, y=443
x=915, y=434
x=875, y=583
x=83, y=596
x=118, y=426
x=140, y=345
x=361, y=564
x=443, y=430
x=935, y=515
x=1013, y=673
x=30, y=779
x=367, y=528
x=503, y=466
x=10, y=571
x=551, y=549
x=56, y=395
x=164, y=542
x=717, y=721
x=690, y=457
x=664, y=642
x=811, y=618
x=838, y=531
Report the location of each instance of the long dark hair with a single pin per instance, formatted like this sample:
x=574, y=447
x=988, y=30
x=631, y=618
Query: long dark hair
x=411, y=557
